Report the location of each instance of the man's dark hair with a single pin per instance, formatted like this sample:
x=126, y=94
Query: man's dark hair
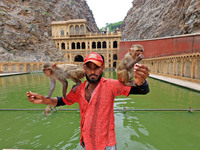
x=102, y=57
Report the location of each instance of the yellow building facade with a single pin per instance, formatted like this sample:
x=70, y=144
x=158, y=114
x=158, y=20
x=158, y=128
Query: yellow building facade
x=75, y=39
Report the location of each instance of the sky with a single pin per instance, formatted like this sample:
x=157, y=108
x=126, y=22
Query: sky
x=109, y=11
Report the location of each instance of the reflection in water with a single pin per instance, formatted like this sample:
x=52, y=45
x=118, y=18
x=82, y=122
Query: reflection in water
x=129, y=129
x=33, y=130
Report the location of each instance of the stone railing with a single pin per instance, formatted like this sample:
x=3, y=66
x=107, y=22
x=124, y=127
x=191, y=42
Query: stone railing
x=12, y=67
x=185, y=66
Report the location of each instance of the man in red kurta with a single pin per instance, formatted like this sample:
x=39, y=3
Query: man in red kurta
x=96, y=100
x=97, y=115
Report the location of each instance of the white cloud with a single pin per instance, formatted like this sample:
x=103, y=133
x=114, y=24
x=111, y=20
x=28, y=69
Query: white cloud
x=109, y=11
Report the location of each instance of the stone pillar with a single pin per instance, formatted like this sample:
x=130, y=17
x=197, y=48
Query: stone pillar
x=167, y=66
x=18, y=67
x=60, y=46
x=10, y=68
x=182, y=65
x=1, y=69
x=192, y=68
x=174, y=66
x=107, y=59
x=25, y=67
x=111, y=59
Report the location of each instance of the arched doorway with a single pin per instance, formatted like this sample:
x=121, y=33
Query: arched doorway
x=78, y=58
x=114, y=64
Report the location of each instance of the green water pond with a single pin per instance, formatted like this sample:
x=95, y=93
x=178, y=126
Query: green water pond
x=135, y=130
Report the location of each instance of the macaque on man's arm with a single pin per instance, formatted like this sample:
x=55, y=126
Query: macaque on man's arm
x=62, y=73
x=125, y=70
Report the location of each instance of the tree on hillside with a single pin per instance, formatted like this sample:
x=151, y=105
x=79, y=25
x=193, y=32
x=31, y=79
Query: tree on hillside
x=112, y=26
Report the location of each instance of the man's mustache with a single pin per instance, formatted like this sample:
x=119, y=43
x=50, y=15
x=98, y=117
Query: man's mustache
x=93, y=75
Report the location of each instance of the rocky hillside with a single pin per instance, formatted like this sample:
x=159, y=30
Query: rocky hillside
x=25, y=27
x=159, y=18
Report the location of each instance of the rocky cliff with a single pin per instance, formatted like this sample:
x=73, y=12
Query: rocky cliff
x=25, y=29
x=159, y=18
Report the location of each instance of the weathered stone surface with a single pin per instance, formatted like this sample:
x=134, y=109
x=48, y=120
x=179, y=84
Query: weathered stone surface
x=25, y=29
x=160, y=18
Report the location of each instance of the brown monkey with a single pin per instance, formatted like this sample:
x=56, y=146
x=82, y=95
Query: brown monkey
x=61, y=73
x=125, y=71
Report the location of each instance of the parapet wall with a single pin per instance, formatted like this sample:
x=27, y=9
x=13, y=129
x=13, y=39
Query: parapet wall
x=17, y=67
x=14, y=67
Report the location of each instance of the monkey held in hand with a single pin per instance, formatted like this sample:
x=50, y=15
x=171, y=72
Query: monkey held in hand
x=125, y=71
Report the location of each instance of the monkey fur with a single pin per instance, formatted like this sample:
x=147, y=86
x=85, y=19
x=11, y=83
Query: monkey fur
x=125, y=71
x=62, y=72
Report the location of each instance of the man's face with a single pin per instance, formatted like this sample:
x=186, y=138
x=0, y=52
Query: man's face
x=93, y=72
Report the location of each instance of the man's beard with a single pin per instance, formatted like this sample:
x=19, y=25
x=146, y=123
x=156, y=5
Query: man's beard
x=93, y=80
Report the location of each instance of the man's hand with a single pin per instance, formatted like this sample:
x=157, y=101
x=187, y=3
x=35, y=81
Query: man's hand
x=35, y=98
x=39, y=99
x=141, y=72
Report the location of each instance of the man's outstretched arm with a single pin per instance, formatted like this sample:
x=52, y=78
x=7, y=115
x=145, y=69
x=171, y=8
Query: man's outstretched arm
x=39, y=99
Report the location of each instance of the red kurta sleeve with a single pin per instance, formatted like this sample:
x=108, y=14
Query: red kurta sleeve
x=119, y=88
x=72, y=97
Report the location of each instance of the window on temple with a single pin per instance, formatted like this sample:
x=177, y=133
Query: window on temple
x=71, y=29
x=73, y=45
x=78, y=45
x=93, y=45
x=77, y=29
x=83, y=45
x=114, y=64
x=62, y=32
x=63, y=45
x=104, y=44
x=82, y=29
x=115, y=57
x=115, y=44
x=98, y=44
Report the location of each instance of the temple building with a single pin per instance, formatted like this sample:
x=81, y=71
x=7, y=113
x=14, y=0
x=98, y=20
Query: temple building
x=75, y=39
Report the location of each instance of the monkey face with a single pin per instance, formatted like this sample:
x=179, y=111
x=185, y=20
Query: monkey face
x=138, y=52
x=47, y=72
x=135, y=52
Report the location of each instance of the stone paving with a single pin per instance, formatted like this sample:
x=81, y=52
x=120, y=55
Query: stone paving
x=183, y=83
